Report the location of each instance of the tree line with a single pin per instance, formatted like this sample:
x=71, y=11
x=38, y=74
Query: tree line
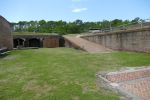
x=63, y=27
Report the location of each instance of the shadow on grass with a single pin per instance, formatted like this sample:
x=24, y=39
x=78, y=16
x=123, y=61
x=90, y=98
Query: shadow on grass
x=4, y=55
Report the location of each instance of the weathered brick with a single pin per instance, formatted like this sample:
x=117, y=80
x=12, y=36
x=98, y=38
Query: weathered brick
x=6, y=39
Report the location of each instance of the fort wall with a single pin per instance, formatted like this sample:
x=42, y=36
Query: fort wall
x=127, y=40
x=6, y=39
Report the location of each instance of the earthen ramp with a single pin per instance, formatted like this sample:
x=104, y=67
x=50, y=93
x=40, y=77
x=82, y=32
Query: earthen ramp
x=86, y=45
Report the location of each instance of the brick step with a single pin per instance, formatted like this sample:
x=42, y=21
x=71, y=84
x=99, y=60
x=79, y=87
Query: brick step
x=127, y=75
x=140, y=88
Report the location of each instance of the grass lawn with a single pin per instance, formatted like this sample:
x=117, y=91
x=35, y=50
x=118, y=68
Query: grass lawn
x=60, y=73
x=32, y=33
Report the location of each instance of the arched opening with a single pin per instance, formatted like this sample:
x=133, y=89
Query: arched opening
x=34, y=42
x=18, y=42
x=61, y=42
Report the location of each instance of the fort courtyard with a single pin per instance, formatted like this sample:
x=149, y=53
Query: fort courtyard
x=62, y=73
x=39, y=66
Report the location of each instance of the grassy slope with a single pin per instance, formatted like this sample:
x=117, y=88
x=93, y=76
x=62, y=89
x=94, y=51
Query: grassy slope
x=60, y=73
x=32, y=33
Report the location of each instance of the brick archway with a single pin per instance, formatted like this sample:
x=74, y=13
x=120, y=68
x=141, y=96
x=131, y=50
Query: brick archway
x=18, y=42
x=34, y=42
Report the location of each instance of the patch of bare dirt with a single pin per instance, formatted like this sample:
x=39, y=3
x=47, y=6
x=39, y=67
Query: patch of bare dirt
x=38, y=89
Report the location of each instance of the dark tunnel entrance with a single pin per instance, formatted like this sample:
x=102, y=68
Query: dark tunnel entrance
x=61, y=42
x=34, y=42
x=18, y=42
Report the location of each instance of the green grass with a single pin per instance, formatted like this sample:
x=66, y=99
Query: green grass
x=32, y=33
x=60, y=73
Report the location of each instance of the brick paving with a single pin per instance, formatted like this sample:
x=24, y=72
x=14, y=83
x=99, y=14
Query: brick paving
x=127, y=75
x=140, y=88
x=86, y=45
x=132, y=83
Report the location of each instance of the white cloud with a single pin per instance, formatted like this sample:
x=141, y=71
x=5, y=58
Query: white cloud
x=77, y=10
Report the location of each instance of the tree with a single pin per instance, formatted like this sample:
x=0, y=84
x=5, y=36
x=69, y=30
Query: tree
x=116, y=22
x=105, y=24
x=42, y=26
x=63, y=27
x=78, y=22
x=136, y=20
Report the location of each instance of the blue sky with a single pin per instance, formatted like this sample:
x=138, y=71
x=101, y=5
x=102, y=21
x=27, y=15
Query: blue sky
x=70, y=10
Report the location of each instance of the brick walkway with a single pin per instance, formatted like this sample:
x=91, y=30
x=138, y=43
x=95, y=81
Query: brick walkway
x=87, y=45
x=132, y=83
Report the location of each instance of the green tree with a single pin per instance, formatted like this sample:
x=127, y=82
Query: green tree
x=116, y=22
x=63, y=27
x=136, y=20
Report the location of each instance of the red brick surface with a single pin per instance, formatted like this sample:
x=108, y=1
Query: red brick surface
x=140, y=88
x=51, y=42
x=6, y=39
x=125, y=76
x=134, y=83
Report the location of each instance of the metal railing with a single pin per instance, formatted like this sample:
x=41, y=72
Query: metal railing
x=140, y=24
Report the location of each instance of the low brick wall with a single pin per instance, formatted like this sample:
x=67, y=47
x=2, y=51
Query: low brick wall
x=130, y=40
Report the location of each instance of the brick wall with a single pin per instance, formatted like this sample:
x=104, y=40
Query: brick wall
x=46, y=41
x=51, y=42
x=130, y=40
x=5, y=34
